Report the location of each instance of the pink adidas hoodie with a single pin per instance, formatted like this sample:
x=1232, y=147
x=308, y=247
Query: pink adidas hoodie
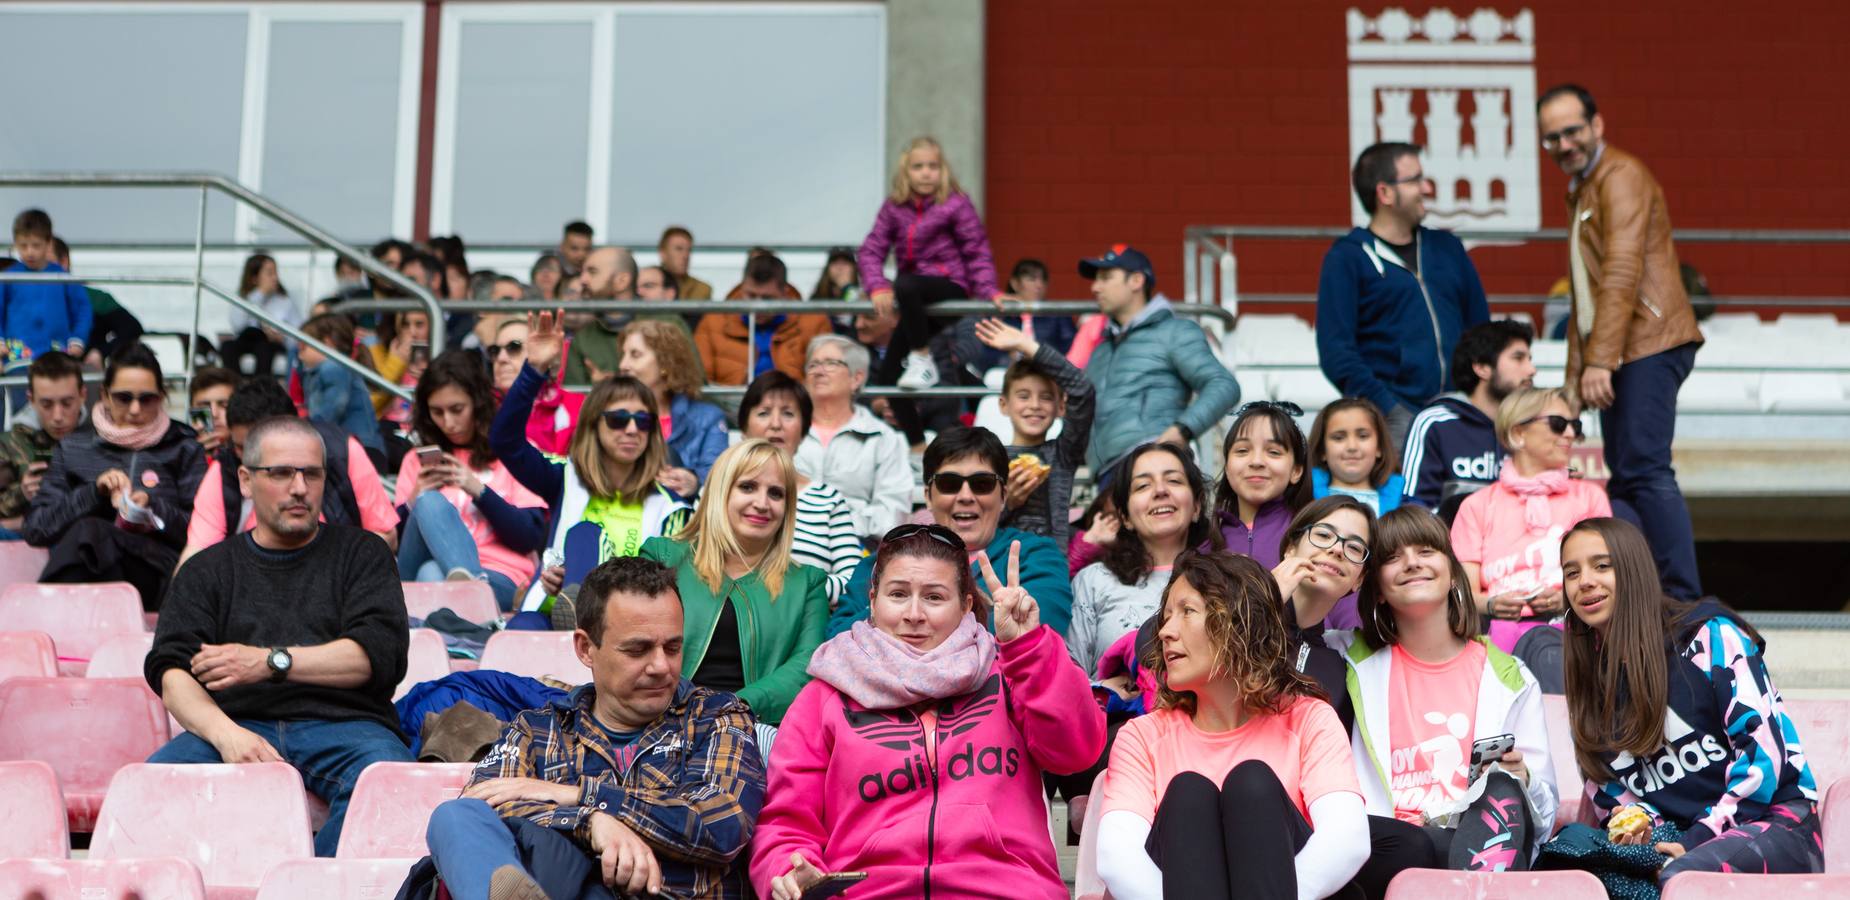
x=854, y=789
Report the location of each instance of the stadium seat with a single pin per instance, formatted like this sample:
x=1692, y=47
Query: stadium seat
x=85, y=728
x=315, y=879
x=77, y=616
x=1086, y=883
x=392, y=803
x=56, y=879
x=1561, y=755
x=235, y=822
x=1731, y=325
x=1836, y=826
x=1736, y=885
x=120, y=656
x=27, y=654
x=1419, y=884
x=33, y=810
x=1802, y=392
x=473, y=600
x=1273, y=340
x=427, y=660
x=1305, y=387
x=1720, y=392
x=535, y=654
x=21, y=563
x=1824, y=732
x=1549, y=355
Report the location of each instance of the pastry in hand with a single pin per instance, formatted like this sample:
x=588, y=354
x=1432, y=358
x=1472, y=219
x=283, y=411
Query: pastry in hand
x=1031, y=463
x=1627, y=820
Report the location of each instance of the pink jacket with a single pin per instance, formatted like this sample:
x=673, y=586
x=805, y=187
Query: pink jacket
x=956, y=813
x=554, y=418
x=945, y=240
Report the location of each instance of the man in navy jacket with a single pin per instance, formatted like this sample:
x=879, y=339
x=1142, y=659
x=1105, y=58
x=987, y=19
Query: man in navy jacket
x=1393, y=297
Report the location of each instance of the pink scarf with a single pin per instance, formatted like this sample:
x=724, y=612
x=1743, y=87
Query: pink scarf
x=880, y=671
x=129, y=436
x=1535, y=493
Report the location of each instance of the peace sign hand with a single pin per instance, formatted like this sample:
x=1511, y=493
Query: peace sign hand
x=1016, y=611
x=545, y=339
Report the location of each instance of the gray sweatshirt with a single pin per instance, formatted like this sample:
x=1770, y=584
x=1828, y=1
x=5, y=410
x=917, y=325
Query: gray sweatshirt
x=1105, y=609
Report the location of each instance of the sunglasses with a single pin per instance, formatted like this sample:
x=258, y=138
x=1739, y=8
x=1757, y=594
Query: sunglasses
x=128, y=398
x=981, y=484
x=619, y=419
x=1559, y=425
x=511, y=348
x=933, y=531
x=1285, y=406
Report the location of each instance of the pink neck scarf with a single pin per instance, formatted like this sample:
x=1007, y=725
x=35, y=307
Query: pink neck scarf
x=129, y=436
x=1535, y=493
x=880, y=671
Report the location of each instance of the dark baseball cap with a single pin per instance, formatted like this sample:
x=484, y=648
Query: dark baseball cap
x=1120, y=256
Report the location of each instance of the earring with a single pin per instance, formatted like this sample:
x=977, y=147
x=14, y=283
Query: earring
x=1381, y=629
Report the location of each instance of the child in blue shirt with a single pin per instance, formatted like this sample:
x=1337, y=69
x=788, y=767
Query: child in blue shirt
x=35, y=318
x=333, y=393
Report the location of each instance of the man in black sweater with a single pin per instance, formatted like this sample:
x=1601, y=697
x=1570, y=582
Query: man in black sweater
x=286, y=642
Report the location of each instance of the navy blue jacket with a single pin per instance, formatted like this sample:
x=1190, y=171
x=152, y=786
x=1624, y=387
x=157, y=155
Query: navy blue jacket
x=1384, y=333
x=1452, y=449
x=699, y=435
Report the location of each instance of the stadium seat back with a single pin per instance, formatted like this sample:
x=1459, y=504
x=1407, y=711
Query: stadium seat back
x=85, y=728
x=1824, y=732
x=235, y=822
x=534, y=654
x=427, y=660
x=1737, y=885
x=27, y=654
x=473, y=600
x=115, y=879
x=120, y=656
x=33, y=809
x=391, y=806
x=21, y=563
x=77, y=616
x=1561, y=755
x=1086, y=883
x=315, y=879
x=1420, y=884
x=1836, y=826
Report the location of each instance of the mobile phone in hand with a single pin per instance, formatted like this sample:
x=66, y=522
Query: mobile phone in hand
x=429, y=455
x=200, y=417
x=420, y=352
x=1485, y=751
x=833, y=884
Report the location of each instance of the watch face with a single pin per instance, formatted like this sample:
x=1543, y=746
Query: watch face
x=280, y=660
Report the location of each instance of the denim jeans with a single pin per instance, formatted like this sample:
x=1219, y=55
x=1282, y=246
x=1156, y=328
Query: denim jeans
x=1638, y=429
x=330, y=756
x=468, y=843
x=436, y=541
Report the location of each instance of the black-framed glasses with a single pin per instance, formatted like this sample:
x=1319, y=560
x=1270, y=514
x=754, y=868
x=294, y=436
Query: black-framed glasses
x=1558, y=424
x=1285, y=406
x=1323, y=536
x=1552, y=140
x=129, y=398
x=286, y=474
x=619, y=419
x=1415, y=178
x=931, y=530
x=981, y=484
x=511, y=348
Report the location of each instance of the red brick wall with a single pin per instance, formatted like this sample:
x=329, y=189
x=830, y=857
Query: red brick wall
x=1130, y=121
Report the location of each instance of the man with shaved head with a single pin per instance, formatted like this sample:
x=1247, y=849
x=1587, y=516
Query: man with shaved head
x=610, y=273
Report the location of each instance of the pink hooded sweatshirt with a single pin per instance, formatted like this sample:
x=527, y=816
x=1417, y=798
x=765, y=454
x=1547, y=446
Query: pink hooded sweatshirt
x=856, y=789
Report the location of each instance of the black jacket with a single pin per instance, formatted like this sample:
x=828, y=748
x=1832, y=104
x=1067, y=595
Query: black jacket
x=170, y=472
x=1452, y=450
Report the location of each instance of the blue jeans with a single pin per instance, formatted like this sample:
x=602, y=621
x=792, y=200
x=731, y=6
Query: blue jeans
x=468, y=843
x=1638, y=429
x=330, y=756
x=436, y=541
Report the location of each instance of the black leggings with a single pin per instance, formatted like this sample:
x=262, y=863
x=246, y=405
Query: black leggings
x=250, y=343
x=913, y=294
x=1493, y=835
x=1246, y=832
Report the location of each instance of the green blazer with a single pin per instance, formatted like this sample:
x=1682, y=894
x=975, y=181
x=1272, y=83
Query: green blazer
x=777, y=634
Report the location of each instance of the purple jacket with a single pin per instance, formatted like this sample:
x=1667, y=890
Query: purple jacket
x=945, y=240
x=1261, y=541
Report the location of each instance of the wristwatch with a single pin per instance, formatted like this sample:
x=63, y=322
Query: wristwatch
x=280, y=661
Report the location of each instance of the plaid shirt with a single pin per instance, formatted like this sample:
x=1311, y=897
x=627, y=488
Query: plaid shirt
x=690, y=786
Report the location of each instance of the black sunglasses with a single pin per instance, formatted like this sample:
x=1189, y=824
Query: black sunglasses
x=510, y=348
x=1285, y=406
x=126, y=398
x=981, y=484
x=933, y=530
x=1558, y=424
x=619, y=419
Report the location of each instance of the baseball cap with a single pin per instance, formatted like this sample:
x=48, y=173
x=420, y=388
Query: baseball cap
x=1120, y=256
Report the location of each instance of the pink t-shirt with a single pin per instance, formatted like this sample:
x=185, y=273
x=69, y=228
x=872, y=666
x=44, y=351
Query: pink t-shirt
x=207, y=526
x=1511, y=556
x=1432, y=718
x=1305, y=747
x=823, y=433
x=518, y=567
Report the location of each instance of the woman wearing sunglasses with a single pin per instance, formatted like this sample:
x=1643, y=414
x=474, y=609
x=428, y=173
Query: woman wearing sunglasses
x=607, y=478
x=753, y=617
x=916, y=754
x=1508, y=535
x=116, y=500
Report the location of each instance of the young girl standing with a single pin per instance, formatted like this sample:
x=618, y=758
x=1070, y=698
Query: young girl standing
x=1352, y=454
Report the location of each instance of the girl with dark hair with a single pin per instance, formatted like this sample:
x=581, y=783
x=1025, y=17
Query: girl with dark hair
x=1323, y=554
x=1427, y=687
x=1242, y=775
x=1263, y=481
x=335, y=394
x=1352, y=453
x=840, y=278
x=465, y=515
x=1678, y=729
x=252, y=339
x=116, y=500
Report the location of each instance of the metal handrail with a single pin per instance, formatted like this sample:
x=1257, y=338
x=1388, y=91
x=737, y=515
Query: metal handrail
x=945, y=309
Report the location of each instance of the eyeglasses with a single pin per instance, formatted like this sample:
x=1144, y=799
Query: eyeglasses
x=1323, y=537
x=981, y=484
x=511, y=348
x=933, y=530
x=817, y=365
x=1558, y=425
x=1552, y=140
x=286, y=474
x=1415, y=178
x=619, y=419
x=1285, y=406
x=129, y=398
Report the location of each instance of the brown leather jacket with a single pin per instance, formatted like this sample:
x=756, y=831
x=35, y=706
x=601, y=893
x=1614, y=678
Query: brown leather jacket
x=1640, y=307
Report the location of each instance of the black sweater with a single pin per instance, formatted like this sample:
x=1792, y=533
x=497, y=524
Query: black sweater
x=344, y=584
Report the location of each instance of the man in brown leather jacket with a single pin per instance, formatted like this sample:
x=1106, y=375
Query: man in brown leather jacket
x=1632, y=336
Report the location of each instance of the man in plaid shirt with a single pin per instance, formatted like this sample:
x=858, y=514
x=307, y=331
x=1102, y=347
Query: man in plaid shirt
x=659, y=781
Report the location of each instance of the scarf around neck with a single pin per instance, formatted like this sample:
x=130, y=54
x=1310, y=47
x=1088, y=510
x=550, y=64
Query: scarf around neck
x=128, y=436
x=880, y=671
x=1535, y=493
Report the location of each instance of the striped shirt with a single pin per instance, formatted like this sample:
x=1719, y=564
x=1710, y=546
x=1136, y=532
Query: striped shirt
x=826, y=537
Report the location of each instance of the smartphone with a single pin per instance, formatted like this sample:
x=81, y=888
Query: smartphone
x=201, y=419
x=833, y=884
x=1485, y=751
x=429, y=456
x=420, y=352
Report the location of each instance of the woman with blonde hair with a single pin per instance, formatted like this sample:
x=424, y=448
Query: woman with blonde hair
x=941, y=252
x=660, y=355
x=752, y=616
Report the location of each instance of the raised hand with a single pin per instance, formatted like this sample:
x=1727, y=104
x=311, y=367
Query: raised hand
x=1000, y=335
x=1291, y=572
x=1016, y=611
x=545, y=339
x=884, y=305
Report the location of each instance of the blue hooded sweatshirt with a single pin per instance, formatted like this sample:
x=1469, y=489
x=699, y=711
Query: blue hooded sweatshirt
x=35, y=318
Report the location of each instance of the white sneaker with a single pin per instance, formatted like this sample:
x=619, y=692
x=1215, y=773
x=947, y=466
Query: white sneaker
x=920, y=371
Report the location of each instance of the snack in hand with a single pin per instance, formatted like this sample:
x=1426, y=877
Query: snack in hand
x=1628, y=820
x=1030, y=462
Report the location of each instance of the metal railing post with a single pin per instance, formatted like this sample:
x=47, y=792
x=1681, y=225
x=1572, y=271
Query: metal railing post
x=199, y=278
x=751, y=347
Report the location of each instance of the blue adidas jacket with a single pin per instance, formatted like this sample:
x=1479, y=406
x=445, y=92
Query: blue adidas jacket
x=1386, y=334
x=1452, y=448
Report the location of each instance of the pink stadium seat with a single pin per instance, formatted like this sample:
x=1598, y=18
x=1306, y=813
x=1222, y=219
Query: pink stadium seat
x=1419, y=884
x=473, y=600
x=77, y=616
x=120, y=657
x=1737, y=885
x=1824, y=731
x=1086, y=883
x=115, y=879
x=316, y=879
x=535, y=653
x=427, y=660
x=235, y=822
x=21, y=563
x=1836, y=826
x=33, y=811
x=27, y=654
x=1561, y=754
x=391, y=804
x=85, y=728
